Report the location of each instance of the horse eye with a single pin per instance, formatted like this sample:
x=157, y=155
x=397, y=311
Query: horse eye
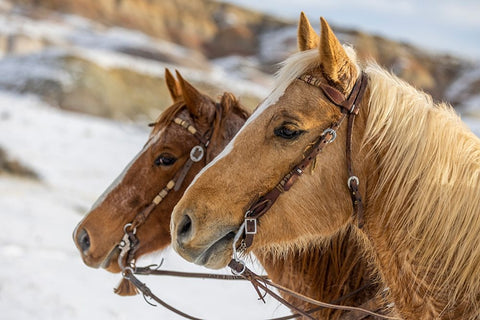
x=286, y=132
x=165, y=160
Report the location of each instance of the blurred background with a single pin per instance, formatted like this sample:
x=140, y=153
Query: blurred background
x=80, y=80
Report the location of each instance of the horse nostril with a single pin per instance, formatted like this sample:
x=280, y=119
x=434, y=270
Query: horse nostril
x=83, y=241
x=184, y=228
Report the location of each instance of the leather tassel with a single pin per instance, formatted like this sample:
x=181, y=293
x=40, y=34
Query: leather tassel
x=125, y=288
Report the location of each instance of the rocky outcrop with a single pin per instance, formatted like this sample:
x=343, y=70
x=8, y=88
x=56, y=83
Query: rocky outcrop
x=211, y=42
x=14, y=167
x=204, y=25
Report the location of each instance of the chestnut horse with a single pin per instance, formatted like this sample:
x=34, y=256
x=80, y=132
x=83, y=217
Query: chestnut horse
x=416, y=166
x=165, y=154
x=317, y=273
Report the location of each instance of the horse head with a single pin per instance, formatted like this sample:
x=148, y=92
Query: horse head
x=278, y=136
x=184, y=138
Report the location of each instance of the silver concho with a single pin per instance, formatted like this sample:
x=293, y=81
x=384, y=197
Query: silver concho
x=196, y=154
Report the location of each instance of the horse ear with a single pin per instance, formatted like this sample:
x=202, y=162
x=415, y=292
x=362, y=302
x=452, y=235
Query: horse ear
x=334, y=61
x=198, y=104
x=307, y=38
x=173, y=87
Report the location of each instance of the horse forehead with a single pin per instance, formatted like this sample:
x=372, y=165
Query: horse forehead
x=292, y=69
x=120, y=178
x=270, y=101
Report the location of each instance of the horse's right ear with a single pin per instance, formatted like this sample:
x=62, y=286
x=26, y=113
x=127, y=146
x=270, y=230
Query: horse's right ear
x=307, y=38
x=173, y=87
x=335, y=64
x=198, y=104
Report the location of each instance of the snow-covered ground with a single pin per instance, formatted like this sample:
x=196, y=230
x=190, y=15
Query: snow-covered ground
x=41, y=273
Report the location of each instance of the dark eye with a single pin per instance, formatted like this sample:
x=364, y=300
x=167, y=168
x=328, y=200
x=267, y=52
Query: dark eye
x=165, y=160
x=287, y=132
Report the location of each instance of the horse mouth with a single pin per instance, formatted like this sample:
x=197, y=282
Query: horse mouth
x=111, y=257
x=214, y=256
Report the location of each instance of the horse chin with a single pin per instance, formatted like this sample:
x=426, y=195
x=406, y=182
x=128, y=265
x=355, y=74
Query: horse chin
x=110, y=263
x=218, y=254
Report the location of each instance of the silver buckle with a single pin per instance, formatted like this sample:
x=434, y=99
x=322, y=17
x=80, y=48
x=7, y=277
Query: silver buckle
x=196, y=154
x=247, y=224
x=332, y=132
x=349, y=181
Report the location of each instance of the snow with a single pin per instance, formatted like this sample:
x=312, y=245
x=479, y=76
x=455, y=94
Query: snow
x=41, y=274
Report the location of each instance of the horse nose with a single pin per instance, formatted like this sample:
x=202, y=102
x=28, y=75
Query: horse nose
x=83, y=240
x=184, y=229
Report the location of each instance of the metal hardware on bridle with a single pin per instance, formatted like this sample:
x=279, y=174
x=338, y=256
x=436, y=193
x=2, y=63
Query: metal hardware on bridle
x=333, y=134
x=349, y=107
x=352, y=179
x=196, y=154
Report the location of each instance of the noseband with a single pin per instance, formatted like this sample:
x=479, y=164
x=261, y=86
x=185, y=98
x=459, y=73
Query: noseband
x=349, y=106
x=129, y=243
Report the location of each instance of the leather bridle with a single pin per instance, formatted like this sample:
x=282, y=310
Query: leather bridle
x=129, y=243
x=349, y=108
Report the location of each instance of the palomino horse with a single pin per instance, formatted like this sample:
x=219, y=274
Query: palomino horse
x=405, y=181
x=317, y=273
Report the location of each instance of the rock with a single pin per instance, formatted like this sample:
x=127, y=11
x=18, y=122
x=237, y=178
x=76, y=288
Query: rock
x=14, y=167
x=212, y=27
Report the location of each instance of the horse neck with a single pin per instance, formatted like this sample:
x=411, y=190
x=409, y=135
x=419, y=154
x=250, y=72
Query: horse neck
x=325, y=271
x=422, y=198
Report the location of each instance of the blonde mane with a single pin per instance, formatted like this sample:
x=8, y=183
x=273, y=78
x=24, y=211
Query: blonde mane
x=429, y=175
x=429, y=170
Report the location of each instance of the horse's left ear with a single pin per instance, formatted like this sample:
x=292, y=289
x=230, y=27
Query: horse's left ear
x=199, y=106
x=336, y=66
x=307, y=38
x=173, y=87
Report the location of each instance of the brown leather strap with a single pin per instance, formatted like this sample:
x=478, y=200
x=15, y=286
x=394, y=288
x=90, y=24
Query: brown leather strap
x=153, y=270
x=349, y=109
x=182, y=174
x=177, y=181
x=145, y=271
x=260, y=283
x=335, y=96
x=129, y=243
x=264, y=203
x=147, y=293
